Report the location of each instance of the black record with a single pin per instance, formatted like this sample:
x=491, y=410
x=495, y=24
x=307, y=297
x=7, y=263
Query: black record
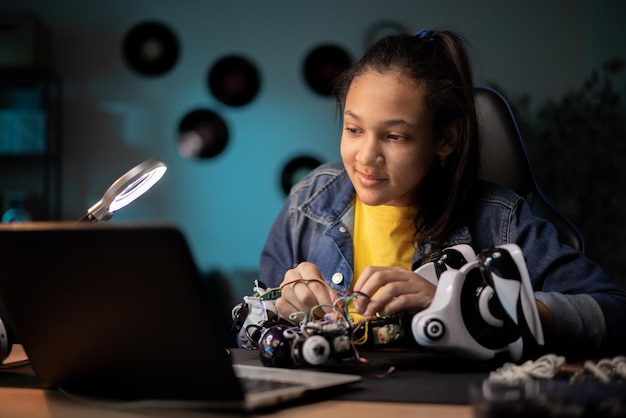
x=202, y=133
x=234, y=80
x=323, y=65
x=150, y=48
x=295, y=170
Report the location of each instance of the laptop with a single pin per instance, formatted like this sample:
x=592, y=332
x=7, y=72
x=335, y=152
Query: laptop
x=119, y=312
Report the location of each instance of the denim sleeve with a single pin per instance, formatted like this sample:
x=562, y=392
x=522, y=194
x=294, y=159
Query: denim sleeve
x=589, y=309
x=581, y=324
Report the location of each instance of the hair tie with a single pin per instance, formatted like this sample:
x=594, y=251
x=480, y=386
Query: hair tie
x=424, y=33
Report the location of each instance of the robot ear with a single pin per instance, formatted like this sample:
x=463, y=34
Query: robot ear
x=504, y=269
x=463, y=252
x=456, y=256
x=501, y=273
x=451, y=258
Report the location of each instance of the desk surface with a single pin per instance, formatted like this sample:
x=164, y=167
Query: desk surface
x=16, y=401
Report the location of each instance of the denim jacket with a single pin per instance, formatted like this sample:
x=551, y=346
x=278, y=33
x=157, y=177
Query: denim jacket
x=316, y=225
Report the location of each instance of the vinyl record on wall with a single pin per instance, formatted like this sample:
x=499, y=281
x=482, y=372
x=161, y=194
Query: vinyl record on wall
x=234, y=80
x=323, y=65
x=296, y=169
x=150, y=48
x=202, y=133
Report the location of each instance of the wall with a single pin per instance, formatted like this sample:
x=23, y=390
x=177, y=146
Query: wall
x=114, y=118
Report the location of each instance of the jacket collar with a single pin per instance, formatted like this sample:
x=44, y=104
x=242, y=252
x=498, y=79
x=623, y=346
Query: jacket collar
x=331, y=201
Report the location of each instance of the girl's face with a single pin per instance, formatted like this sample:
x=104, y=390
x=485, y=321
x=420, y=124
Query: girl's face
x=388, y=145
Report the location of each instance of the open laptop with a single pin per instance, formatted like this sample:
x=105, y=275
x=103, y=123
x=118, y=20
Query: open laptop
x=120, y=313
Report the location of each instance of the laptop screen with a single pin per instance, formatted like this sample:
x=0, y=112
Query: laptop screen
x=113, y=310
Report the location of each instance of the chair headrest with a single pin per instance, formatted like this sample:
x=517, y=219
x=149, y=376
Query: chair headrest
x=504, y=159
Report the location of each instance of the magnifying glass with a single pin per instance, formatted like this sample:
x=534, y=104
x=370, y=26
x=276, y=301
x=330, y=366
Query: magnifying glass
x=126, y=189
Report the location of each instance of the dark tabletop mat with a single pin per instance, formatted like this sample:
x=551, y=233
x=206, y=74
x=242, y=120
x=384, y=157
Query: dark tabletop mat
x=417, y=376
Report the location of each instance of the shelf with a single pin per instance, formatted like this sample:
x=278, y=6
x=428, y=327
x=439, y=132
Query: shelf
x=29, y=140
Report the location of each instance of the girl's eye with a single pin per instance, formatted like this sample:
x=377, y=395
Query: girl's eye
x=395, y=137
x=352, y=131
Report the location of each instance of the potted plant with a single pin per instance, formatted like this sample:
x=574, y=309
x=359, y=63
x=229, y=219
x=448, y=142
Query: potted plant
x=577, y=145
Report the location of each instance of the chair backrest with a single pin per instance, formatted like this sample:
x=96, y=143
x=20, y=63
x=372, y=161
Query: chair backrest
x=505, y=161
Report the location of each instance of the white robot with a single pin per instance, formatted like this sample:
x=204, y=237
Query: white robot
x=483, y=305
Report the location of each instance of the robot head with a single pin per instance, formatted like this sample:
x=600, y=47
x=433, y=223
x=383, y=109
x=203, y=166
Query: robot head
x=275, y=346
x=484, y=308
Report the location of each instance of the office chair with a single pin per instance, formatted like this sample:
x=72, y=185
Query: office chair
x=505, y=161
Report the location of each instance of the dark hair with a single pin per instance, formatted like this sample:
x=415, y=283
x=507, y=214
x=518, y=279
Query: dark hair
x=440, y=59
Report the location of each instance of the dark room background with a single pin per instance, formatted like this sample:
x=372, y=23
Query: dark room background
x=114, y=116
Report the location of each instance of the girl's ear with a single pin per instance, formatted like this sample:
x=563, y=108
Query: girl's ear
x=450, y=138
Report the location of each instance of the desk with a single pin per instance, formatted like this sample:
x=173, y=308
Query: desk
x=32, y=402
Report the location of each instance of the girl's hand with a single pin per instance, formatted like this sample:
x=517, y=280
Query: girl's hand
x=392, y=290
x=302, y=290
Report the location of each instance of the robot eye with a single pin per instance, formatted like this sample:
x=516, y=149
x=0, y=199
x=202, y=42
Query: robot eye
x=434, y=329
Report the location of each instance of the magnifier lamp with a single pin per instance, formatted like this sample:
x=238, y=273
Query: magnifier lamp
x=126, y=189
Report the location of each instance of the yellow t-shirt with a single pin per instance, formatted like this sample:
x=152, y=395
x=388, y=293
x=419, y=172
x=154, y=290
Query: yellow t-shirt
x=383, y=236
